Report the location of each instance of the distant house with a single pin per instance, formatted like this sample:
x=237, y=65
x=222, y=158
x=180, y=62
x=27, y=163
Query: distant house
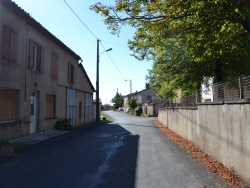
x=147, y=97
x=41, y=79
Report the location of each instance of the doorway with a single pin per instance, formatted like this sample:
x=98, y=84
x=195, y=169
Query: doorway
x=33, y=111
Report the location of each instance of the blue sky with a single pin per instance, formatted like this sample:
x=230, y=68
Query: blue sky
x=56, y=16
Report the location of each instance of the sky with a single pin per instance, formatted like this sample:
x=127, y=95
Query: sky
x=115, y=66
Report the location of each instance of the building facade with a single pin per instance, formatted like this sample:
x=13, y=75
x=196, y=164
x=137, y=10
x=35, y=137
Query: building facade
x=41, y=79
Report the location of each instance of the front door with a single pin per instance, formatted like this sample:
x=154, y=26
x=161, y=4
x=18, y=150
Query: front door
x=33, y=111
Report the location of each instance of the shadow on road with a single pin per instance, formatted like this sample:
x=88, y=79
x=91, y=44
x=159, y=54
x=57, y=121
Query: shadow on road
x=103, y=156
x=123, y=164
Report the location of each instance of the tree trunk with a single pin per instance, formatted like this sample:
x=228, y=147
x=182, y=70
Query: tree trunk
x=219, y=78
x=218, y=70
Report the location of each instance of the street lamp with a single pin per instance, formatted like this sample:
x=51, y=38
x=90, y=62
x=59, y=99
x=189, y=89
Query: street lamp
x=130, y=83
x=97, y=81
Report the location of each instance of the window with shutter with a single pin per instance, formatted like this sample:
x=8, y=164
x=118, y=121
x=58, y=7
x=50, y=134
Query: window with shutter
x=71, y=73
x=50, y=105
x=35, y=56
x=80, y=110
x=7, y=104
x=9, y=44
x=54, y=65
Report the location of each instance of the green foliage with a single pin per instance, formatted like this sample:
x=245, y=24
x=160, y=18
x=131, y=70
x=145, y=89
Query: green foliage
x=132, y=103
x=4, y=142
x=132, y=112
x=146, y=115
x=117, y=100
x=187, y=40
x=104, y=115
x=63, y=124
x=138, y=110
x=107, y=107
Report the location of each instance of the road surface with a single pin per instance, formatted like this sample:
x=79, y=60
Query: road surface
x=130, y=152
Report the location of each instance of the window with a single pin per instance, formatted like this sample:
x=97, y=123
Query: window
x=50, y=105
x=7, y=105
x=54, y=65
x=80, y=110
x=71, y=73
x=148, y=98
x=35, y=56
x=9, y=44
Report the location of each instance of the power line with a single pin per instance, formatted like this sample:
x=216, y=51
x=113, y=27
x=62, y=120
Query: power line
x=115, y=43
x=80, y=20
x=113, y=62
x=94, y=36
x=89, y=50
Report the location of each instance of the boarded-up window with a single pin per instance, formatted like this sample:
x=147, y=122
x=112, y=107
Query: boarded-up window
x=54, y=65
x=9, y=44
x=71, y=73
x=35, y=56
x=50, y=105
x=7, y=105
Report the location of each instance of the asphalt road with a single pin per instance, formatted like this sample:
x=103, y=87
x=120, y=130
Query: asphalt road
x=130, y=152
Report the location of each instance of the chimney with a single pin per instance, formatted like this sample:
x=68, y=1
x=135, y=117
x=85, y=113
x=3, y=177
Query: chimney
x=147, y=86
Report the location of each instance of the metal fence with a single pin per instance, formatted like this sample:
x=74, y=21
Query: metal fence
x=237, y=89
x=190, y=101
x=234, y=90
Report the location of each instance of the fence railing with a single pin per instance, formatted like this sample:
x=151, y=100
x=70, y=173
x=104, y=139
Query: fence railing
x=190, y=101
x=234, y=90
x=237, y=89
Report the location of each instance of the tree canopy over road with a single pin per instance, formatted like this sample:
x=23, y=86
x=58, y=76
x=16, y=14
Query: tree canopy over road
x=188, y=41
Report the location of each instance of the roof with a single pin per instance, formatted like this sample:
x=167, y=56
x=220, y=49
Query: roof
x=136, y=93
x=25, y=16
x=85, y=73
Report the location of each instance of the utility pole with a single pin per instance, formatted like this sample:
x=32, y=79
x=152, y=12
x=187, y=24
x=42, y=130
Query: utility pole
x=130, y=84
x=97, y=84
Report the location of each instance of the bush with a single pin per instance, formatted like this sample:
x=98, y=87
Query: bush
x=4, y=142
x=63, y=124
x=146, y=115
x=138, y=111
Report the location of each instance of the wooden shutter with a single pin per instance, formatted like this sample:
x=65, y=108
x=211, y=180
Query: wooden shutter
x=80, y=110
x=69, y=72
x=7, y=104
x=5, y=42
x=72, y=73
x=13, y=46
x=31, y=58
x=49, y=105
x=41, y=59
x=38, y=58
x=54, y=64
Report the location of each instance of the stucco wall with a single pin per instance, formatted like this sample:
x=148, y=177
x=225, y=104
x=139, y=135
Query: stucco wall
x=222, y=131
x=24, y=80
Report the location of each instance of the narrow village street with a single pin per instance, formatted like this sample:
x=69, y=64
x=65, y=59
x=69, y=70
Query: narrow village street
x=130, y=152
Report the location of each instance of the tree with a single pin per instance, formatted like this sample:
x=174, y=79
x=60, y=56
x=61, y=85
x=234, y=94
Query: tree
x=117, y=100
x=188, y=41
x=132, y=103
